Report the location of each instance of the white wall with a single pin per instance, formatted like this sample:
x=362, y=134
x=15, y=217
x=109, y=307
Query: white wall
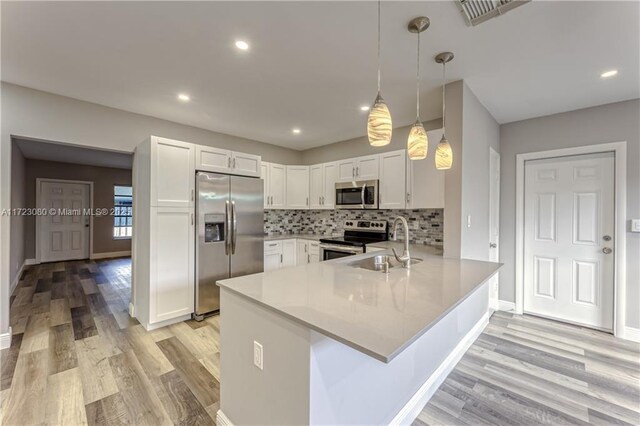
x=18, y=222
x=606, y=123
x=34, y=114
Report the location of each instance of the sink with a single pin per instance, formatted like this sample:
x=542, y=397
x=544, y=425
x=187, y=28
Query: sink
x=380, y=262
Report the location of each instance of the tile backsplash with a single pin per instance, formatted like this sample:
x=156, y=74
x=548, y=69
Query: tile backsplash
x=425, y=226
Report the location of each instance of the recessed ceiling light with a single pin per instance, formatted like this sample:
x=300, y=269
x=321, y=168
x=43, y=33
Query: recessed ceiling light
x=364, y=108
x=242, y=45
x=296, y=131
x=608, y=74
x=183, y=97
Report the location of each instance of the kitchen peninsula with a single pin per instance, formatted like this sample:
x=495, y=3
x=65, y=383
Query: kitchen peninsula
x=333, y=343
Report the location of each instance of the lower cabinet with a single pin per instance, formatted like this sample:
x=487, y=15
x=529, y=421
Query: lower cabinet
x=283, y=253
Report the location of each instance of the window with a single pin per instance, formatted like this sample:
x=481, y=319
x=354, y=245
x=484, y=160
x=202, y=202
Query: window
x=122, y=212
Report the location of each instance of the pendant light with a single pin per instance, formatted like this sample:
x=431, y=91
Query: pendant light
x=379, y=126
x=444, y=154
x=418, y=143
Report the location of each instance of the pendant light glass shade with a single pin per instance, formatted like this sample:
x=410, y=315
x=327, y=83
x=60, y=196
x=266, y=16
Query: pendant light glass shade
x=444, y=155
x=417, y=143
x=379, y=127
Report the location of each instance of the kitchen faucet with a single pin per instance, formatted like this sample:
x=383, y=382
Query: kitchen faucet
x=405, y=258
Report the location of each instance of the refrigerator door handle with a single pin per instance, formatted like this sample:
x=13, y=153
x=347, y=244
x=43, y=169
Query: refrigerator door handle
x=227, y=225
x=235, y=227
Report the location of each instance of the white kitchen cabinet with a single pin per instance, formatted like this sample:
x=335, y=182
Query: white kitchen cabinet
x=245, y=164
x=316, y=186
x=210, y=159
x=367, y=167
x=359, y=168
x=163, y=241
x=297, y=187
x=272, y=255
x=276, y=186
x=288, y=253
x=393, y=179
x=425, y=183
x=322, y=182
x=264, y=175
x=302, y=252
x=314, y=251
x=171, y=290
x=171, y=172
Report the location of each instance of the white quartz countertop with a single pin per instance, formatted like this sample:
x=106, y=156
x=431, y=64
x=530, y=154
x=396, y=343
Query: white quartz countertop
x=378, y=314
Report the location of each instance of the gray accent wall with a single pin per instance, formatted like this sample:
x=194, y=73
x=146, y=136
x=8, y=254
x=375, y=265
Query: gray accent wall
x=606, y=123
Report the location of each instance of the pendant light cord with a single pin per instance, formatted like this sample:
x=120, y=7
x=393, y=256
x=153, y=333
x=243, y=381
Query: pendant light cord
x=378, y=46
x=418, y=81
x=443, y=104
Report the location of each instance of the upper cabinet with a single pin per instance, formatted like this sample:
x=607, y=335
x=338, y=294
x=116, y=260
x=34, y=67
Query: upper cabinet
x=297, y=187
x=322, y=182
x=218, y=160
x=425, y=183
x=172, y=173
x=274, y=176
x=360, y=168
x=393, y=179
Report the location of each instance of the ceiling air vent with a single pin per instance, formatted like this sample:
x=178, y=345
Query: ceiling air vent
x=477, y=11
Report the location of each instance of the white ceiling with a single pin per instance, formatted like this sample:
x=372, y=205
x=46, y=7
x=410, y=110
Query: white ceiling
x=312, y=64
x=64, y=153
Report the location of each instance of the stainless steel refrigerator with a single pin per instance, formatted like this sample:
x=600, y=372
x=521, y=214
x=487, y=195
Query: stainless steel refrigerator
x=230, y=233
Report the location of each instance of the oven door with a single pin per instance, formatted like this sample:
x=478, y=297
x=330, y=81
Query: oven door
x=357, y=195
x=335, y=251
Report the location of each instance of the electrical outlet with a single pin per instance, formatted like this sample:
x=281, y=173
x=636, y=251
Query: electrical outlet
x=635, y=225
x=257, y=354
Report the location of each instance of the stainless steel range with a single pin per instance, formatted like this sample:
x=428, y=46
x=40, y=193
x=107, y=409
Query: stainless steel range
x=357, y=234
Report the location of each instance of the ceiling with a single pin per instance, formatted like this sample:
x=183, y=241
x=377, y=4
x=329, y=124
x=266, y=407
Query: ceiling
x=312, y=65
x=64, y=153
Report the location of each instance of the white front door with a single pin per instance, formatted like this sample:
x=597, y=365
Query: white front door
x=494, y=223
x=64, y=230
x=569, y=230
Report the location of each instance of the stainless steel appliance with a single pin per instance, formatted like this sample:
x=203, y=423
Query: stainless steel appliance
x=230, y=233
x=361, y=194
x=357, y=234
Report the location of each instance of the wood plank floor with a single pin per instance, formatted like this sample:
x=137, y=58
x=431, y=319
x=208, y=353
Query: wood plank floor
x=524, y=370
x=78, y=358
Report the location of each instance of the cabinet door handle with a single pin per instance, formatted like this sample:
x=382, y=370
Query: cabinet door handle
x=307, y=201
x=228, y=162
x=358, y=171
x=192, y=194
x=408, y=197
x=234, y=163
x=280, y=258
x=273, y=245
x=353, y=172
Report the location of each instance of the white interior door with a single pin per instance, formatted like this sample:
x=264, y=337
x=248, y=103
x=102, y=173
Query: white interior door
x=494, y=223
x=64, y=230
x=569, y=231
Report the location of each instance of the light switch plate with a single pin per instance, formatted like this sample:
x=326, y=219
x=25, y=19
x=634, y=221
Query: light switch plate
x=635, y=225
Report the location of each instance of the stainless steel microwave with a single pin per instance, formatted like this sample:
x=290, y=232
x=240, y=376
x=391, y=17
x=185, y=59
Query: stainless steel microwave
x=361, y=194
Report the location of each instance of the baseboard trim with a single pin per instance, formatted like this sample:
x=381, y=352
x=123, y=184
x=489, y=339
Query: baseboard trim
x=16, y=280
x=111, y=254
x=5, y=339
x=631, y=333
x=31, y=262
x=222, y=419
x=504, y=305
x=410, y=411
x=157, y=325
x=132, y=310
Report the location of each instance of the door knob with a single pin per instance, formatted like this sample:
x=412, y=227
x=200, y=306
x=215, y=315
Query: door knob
x=607, y=250
x=493, y=245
